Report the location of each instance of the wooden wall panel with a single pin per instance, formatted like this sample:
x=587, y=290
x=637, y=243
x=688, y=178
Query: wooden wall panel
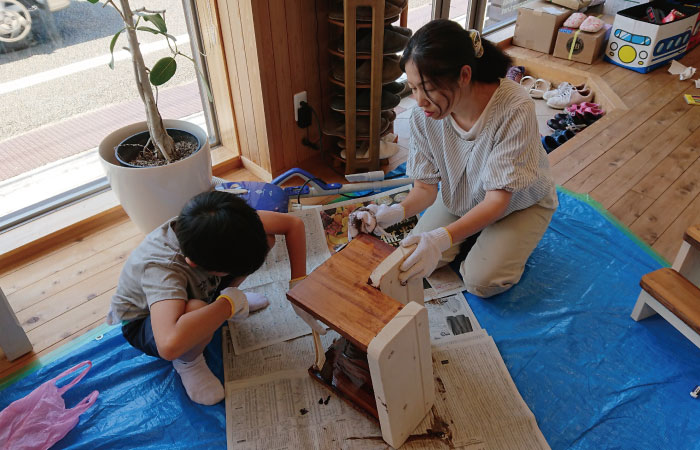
x=251, y=35
x=258, y=36
x=299, y=30
x=281, y=76
x=219, y=83
x=274, y=49
x=236, y=63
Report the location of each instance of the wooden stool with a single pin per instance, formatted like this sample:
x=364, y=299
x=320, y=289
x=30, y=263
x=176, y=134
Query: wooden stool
x=393, y=337
x=674, y=293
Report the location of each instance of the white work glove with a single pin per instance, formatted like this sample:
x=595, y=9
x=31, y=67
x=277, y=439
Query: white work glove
x=371, y=218
x=426, y=255
x=238, y=301
x=303, y=315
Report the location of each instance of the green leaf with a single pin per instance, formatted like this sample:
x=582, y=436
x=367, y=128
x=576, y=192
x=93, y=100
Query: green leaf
x=94, y=1
x=163, y=70
x=149, y=29
x=158, y=21
x=111, y=47
x=154, y=31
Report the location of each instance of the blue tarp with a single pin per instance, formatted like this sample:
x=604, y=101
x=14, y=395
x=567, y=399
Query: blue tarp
x=592, y=376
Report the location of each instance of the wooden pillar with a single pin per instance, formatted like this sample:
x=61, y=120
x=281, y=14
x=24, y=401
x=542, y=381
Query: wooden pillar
x=273, y=49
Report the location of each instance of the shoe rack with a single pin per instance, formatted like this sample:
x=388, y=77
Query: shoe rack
x=346, y=29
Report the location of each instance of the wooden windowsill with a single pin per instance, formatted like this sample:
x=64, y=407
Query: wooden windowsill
x=502, y=37
x=79, y=219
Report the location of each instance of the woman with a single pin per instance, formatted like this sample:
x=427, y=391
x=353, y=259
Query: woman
x=476, y=134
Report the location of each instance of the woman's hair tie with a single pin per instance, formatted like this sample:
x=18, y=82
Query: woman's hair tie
x=476, y=43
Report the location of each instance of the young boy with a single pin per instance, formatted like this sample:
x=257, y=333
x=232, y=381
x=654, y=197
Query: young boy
x=165, y=287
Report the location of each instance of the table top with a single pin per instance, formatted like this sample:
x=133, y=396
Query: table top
x=338, y=292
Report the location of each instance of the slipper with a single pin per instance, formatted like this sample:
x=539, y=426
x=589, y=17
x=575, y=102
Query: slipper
x=539, y=88
x=575, y=20
x=591, y=24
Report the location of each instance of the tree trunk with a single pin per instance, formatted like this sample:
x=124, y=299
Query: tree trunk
x=161, y=140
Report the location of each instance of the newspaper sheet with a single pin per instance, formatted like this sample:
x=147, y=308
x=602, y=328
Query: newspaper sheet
x=276, y=265
x=335, y=218
x=477, y=393
x=276, y=323
x=450, y=316
x=293, y=354
x=272, y=402
x=442, y=282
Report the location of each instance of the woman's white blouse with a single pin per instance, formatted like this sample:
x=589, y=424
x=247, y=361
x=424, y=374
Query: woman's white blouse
x=502, y=150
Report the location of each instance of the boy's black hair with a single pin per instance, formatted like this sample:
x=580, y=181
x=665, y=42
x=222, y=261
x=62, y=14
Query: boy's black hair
x=219, y=232
x=440, y=49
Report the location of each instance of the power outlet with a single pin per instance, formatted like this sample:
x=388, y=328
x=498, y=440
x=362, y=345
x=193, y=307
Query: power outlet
x=298, y=98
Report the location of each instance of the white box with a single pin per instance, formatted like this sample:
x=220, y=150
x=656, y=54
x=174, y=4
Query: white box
x=642, y=46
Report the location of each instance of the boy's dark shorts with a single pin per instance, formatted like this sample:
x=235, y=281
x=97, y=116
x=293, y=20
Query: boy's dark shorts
x=139, y=334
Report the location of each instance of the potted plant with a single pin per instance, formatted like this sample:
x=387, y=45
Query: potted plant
x=153, y=167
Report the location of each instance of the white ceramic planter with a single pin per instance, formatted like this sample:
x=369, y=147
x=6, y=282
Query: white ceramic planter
x=152, y=195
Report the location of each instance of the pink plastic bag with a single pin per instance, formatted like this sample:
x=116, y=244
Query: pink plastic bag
x=41, y=419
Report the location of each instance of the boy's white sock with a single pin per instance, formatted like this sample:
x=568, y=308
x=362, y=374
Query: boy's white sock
x=256, y=301
x=201, y=384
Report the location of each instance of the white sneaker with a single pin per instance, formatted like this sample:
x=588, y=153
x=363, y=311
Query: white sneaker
x=564, y=86
x=556, y=91
x=569, y=97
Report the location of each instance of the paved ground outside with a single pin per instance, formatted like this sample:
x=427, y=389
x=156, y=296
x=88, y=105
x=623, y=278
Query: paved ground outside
x=84, y=132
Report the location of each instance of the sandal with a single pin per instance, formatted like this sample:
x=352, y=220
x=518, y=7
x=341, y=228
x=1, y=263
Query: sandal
x=539, y=88
x=527, y=82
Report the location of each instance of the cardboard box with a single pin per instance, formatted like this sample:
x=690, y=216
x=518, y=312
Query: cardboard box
x=537, y=25
x=587, y=47
x=577, y=5
x=642, y=46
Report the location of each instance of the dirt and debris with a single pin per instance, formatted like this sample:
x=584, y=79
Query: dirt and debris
x=150, y=157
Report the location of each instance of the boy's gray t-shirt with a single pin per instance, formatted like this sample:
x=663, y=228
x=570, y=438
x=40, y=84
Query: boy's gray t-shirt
x=156, y=270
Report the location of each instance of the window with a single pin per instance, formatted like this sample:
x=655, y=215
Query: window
x=58, y=97
x=483, y=15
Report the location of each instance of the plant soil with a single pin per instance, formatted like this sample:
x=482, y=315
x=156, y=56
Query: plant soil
x=150, y=157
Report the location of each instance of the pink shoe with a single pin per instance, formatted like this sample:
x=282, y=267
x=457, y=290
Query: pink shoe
x=594, y=111
x=584, y=106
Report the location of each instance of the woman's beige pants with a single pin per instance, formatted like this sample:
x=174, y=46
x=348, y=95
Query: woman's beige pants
x=497, y=260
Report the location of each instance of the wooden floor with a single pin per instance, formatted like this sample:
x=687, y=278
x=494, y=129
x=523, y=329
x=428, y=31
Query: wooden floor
x=641, y=163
